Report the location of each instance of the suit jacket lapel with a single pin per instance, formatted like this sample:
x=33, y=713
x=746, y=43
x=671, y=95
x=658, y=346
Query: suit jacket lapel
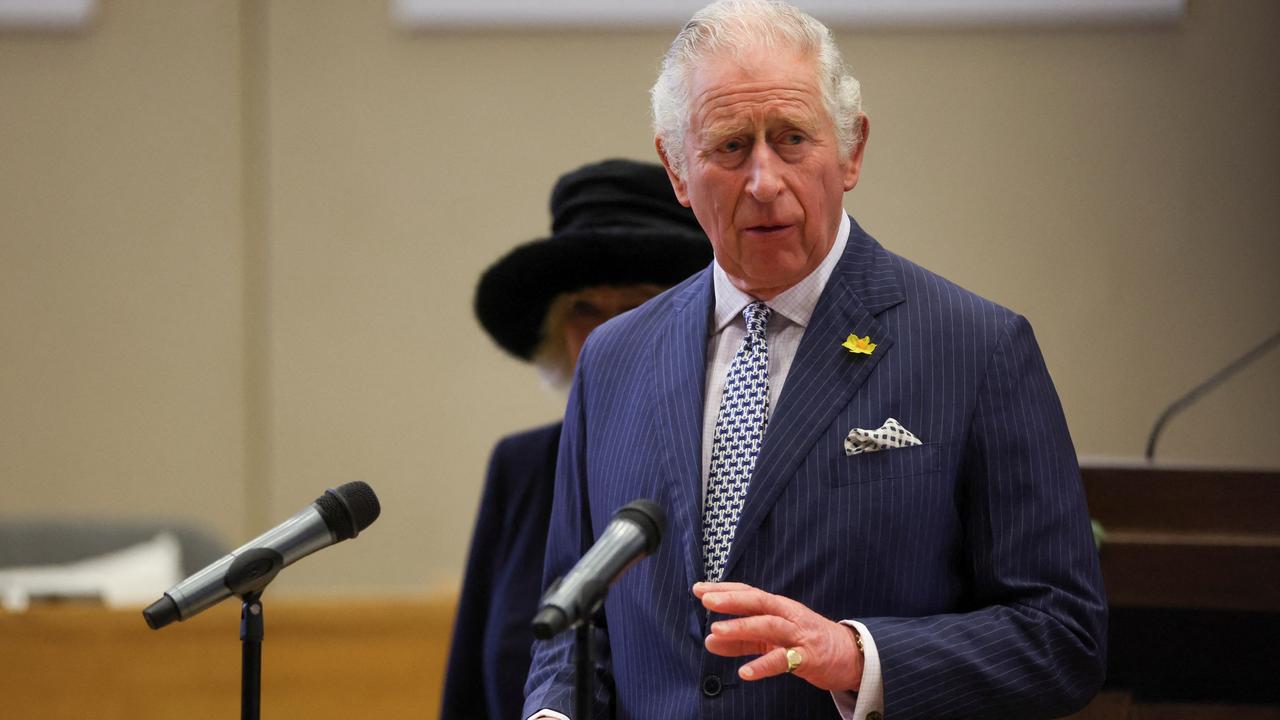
x=680, y=362
x=824, y=376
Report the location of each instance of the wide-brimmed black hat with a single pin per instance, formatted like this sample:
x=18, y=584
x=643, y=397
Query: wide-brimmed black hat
x=615, y=222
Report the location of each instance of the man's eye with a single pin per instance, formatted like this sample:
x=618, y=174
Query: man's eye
x=732, y=146
x=793, y=138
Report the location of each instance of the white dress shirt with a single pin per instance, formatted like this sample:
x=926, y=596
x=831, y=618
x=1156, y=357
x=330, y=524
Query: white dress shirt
x=792, y=309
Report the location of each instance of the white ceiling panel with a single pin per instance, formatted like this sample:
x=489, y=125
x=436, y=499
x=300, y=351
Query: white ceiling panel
x=428, y=14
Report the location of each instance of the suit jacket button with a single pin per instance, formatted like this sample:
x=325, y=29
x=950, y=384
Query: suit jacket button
x=711, y=685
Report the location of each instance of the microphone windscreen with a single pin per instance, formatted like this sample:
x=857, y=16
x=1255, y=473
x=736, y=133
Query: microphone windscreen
x=349, y=509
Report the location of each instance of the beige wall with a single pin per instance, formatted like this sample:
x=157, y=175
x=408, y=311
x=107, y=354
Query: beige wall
x=121, y=266
x=239, y=243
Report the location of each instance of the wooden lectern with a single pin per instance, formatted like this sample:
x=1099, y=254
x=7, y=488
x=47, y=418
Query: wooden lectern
x=1191, y=561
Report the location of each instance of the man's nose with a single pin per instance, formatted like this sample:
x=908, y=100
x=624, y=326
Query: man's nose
x=764, y=181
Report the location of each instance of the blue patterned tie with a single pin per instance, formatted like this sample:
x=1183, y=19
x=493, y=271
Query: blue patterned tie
x=744, y=411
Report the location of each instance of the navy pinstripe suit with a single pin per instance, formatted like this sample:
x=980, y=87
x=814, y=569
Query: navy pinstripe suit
x=969, y=558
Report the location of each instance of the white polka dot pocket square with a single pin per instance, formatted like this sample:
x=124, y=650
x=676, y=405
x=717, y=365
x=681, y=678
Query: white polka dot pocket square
x=886, y=437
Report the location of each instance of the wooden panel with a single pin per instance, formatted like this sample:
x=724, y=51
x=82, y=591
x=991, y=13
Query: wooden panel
x=1111, y=705
x=321, y=660
x=1236, y=502
x=1152, y=572
x=1189, y=538
x=1204, y=712
x=1117, y=705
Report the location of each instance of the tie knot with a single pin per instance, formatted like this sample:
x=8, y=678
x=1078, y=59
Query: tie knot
x=757, y=316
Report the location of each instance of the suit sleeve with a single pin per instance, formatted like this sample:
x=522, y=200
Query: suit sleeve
x=1033, y=644
x=550, y=685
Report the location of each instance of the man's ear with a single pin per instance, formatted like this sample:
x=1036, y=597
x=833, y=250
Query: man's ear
x=853, y=168
x=677, y=183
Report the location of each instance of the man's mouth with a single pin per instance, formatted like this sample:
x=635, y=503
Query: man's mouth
x=767, y=230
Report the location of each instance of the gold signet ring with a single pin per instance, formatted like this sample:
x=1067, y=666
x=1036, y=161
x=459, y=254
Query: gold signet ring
x=794, y=658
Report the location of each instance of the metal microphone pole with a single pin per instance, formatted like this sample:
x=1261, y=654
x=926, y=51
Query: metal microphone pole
x=583, y=661
x=251, y=657
x=247, y=577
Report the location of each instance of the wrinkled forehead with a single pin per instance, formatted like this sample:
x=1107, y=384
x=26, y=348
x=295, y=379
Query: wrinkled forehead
x=754, y=89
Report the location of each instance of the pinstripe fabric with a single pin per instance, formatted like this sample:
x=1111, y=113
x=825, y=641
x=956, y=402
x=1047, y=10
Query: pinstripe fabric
x=969, y=557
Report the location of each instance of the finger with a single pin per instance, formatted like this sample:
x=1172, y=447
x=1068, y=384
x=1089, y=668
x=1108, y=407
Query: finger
x=725, y=597
x=752, y=602
x=735, y=648
x=769, y=629
x=702, y=588
x=768, y=665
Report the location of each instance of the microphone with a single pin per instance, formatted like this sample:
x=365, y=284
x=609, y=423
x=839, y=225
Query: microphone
x=1203, y=388
x=337, y=515
x=634, y=532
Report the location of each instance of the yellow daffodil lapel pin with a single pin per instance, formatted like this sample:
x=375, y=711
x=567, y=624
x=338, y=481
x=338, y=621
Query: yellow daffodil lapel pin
x=859, y=345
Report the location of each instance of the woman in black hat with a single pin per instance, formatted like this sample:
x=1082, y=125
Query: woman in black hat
x=618, y=237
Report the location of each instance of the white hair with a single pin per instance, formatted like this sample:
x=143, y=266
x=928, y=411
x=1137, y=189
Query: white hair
x=551, y=355
x=738, y=26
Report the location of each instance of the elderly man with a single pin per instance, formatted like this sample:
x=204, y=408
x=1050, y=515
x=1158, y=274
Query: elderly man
x=872, y=494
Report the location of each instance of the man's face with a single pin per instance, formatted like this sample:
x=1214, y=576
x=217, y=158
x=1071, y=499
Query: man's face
x=764, y=173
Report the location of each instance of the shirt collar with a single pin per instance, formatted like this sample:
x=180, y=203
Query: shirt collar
x=796, y=303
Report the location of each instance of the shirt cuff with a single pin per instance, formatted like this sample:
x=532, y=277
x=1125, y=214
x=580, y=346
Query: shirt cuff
x=870, y=696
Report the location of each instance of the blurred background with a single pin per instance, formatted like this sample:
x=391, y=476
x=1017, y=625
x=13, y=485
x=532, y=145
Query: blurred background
x=239, y=243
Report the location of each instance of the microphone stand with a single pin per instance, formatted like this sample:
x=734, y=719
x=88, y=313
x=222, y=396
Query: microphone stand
x=583, y=662
x=251, y=656
x=572, y=600
x=584, y=639
x=248, y=577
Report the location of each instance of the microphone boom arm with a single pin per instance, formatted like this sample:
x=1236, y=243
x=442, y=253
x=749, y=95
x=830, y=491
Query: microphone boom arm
x=1203, y=388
